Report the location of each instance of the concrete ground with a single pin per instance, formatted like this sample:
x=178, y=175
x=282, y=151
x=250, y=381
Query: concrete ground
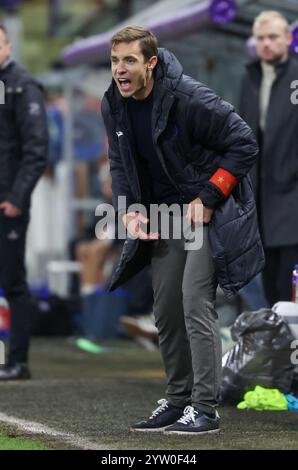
x=79, y=400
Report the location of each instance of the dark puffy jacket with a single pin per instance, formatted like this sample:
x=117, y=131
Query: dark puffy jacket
x=23, y=135
x=195, y=133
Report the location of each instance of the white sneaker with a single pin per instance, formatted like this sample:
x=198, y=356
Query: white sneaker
x=142, y=326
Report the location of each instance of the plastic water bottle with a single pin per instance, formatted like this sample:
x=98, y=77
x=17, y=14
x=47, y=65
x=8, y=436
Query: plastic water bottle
x=295, y=284
x=4, y=318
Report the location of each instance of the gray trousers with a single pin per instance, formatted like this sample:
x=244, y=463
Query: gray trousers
x=184, y=285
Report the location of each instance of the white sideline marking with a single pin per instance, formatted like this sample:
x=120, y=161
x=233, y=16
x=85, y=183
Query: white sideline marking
x=38, y=428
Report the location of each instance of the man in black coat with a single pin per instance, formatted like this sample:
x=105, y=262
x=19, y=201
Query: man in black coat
x=268, y=106
x=173, y=141
x=23, y=152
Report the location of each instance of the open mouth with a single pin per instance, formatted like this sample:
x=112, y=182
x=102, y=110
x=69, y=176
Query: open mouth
x=124, y=84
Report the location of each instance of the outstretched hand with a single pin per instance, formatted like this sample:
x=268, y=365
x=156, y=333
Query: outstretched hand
x=132, y=222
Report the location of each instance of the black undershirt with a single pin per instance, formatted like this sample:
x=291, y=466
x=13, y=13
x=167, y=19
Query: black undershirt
x=161, y=188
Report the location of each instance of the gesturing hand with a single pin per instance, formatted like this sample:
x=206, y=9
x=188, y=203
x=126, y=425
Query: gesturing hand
x=132, y=222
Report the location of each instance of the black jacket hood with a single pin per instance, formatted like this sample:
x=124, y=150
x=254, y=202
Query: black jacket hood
x=168, y=69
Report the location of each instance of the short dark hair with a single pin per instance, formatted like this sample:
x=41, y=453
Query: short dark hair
x=148, y=42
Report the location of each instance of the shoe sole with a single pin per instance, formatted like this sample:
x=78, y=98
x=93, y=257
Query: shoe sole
x=192, y=433
x=150, y=430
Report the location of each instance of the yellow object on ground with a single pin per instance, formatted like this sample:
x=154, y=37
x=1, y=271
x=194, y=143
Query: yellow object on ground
x=264, y=399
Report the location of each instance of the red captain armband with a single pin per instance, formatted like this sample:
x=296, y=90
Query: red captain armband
x=224, y=180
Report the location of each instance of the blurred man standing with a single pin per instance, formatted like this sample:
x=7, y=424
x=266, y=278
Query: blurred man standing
x=23, y=151
x=267, y=107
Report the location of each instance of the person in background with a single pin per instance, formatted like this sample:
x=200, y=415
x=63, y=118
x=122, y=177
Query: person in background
x=266, y=105
x=23, y=155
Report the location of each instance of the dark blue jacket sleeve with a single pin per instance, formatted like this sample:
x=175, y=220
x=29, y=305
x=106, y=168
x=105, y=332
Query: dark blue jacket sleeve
x=215, y=124
x=120, y=184
x=33, y=134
